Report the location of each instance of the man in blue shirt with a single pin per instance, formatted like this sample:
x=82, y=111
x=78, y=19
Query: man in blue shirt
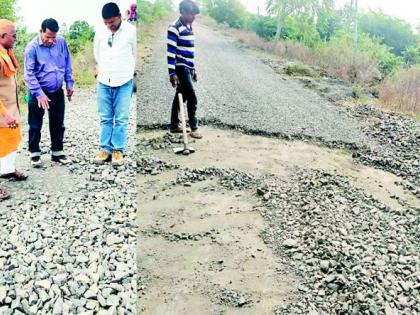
x=47, y=66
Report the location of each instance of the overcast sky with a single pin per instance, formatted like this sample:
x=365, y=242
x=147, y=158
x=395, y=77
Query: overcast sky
x=408, y=10
x=33, y=12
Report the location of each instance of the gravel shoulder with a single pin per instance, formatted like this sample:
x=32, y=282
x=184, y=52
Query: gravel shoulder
x=69, y=232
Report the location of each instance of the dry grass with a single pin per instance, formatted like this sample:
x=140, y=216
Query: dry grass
x=83, y=65
x=331, y=60
x=401, y=92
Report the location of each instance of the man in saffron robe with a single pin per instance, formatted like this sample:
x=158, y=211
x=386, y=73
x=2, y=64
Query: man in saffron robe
x=9, y=108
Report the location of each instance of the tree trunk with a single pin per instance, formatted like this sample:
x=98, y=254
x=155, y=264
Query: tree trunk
x=279, y=28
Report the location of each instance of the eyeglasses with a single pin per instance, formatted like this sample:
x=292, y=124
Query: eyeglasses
x=13, y=35
x=110, y=40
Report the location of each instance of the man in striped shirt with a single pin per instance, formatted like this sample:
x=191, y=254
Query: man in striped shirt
x=181, y=65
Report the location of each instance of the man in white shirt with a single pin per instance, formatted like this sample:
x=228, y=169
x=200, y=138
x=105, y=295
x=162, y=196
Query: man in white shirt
x=115, y=54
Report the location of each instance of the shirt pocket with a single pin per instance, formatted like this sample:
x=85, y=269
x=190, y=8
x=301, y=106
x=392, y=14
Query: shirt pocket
x=58, y=58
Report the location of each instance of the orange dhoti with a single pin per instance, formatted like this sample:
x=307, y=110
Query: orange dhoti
x=9, y=140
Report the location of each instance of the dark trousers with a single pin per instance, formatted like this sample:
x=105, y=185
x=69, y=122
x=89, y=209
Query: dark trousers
x=56, y=120
x=186, y=88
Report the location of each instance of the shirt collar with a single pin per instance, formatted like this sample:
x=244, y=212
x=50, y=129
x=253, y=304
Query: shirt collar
x=185, y=25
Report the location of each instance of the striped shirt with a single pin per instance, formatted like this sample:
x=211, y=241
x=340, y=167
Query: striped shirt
x=180, y=46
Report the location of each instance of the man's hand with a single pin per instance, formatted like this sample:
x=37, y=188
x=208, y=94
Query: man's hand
x=195, y=76
x=70, y=92
x=10, y=121
x=43, y=102
x=174, y=80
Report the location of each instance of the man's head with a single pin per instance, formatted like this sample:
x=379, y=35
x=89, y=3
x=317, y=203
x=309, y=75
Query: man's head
x=112, y=16
x=188, y=9
x=7, y=34
x=48, y=32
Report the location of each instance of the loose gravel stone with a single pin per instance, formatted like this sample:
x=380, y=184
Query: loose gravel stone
x=55, y=226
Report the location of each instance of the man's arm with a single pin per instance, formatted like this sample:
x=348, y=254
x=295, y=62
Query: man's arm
x=96, y=52
x=68, y=75
x=172, y=41
x=133, y=44
x=31, y=81
x=29, y=73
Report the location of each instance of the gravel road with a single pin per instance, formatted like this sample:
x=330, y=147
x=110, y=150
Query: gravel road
x=67, y=241
x=237, y=90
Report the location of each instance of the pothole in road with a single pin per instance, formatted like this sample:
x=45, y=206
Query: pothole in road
x=200, y=246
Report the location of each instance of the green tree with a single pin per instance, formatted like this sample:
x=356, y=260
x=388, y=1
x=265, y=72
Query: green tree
x=151, y=11
x=81, y=30
x=232, y=12
x=264, y=26
x=281, y=9
x=7, y=9
x=411, y=55
x=78, y=35
x=392, y=31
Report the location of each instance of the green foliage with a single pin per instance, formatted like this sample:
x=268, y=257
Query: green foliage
x=370, y=47
x=264, y=26
x=300, y=28
x=149, y=11
x=231, y=12
x=81, y=30
x=327, y=23
x=7, y=9
x=357, y=91
x=392, y=31
x=411, y=55
x=79, y=34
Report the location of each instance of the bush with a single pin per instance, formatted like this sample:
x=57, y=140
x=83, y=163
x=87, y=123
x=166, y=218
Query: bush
x=401, y=91
x=411, y=55
x=368, y=48
x=298, y=69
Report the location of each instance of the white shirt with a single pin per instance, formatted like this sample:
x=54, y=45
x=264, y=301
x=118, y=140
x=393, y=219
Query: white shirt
x=116, y=64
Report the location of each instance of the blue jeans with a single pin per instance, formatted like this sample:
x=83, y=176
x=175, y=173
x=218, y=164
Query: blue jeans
x=114, y=111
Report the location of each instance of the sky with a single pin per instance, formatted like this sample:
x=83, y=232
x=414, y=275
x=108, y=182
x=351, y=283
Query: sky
x=408, y=10
x=33, y=12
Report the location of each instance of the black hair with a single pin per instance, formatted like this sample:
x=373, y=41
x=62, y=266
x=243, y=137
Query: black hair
x=189, y=6
x=110, y=10
x=51, y=24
